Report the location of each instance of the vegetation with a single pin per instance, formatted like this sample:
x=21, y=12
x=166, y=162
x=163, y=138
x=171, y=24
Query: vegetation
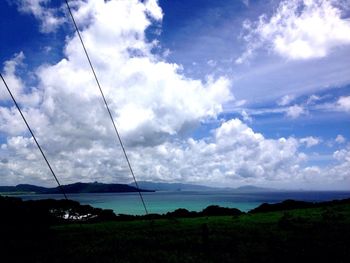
x=292, y=204
x=314, y=234
x=49, y=212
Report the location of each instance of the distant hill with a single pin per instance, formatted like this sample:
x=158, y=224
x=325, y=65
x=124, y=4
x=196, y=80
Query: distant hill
x=252, y=189
x=23, y=188
x=172, y=186
x=145, y=186
x=72, y=188
x=193, y=187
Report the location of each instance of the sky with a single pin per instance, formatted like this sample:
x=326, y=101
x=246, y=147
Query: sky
x=219, y=93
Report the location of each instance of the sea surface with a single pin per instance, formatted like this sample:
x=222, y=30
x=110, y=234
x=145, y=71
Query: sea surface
x=163, y=202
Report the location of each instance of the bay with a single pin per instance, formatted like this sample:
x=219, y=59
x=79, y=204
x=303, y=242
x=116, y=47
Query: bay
x=163, y=202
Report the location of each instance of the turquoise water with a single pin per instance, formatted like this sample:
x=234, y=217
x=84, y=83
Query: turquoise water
x=162, y=202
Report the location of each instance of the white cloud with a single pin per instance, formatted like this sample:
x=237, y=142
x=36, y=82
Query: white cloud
x=286, y=100
x=299, y=29
x=330, y=177
x=153, y=9
x=313, y=99
x=246, y=2
x=295, y=111
x=150, y=99
x=212, y=63
x=339, y=104
x=235, y=153
x=340, y=139
x=246, y=117
x=30, y=98
x=9, y=74
x=341, y=170
x=154, y=105
x=343, y=104
x=310, y=141
x=342, y=155
x=10, y=121
x=49, y=18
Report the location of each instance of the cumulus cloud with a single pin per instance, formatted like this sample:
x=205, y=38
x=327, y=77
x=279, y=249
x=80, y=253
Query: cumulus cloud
x=246, y=117
x=343, y=104
x=332, y=176
x=235, y=153
x=9, y=73
x=341, y=169
x=49, y=17
x=295, y=111
x=340, y=139
x=286, y=100
x=30, y=96
x=342, y=155
x=310, y=141
x=299, y=29
x=154, y=105
x=150, y=99
x=313, y=99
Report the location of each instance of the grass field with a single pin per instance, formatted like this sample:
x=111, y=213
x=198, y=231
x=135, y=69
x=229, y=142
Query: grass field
x=304, y=235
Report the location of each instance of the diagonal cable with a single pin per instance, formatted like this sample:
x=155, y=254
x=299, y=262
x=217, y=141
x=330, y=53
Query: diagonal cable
x=36, y=142
x=106, y=104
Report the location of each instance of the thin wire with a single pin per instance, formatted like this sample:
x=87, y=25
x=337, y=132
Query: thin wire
x=31, y=132
x=106, y=104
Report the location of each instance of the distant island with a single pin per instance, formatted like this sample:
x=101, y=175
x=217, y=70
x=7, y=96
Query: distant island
x=144, y=186
x=157, y=186
x=161, y=186
x=72, y=188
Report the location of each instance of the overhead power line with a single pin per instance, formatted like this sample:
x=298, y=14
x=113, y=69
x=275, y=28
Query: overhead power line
x=36, y=141
x=106, y=104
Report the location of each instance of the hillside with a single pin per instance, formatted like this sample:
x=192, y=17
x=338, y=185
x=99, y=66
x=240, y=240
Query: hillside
x=23, y=188
x=172, y=186
x=194, y=187
x=318, y=234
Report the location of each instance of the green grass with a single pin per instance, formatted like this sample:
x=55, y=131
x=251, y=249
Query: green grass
x=314, y=235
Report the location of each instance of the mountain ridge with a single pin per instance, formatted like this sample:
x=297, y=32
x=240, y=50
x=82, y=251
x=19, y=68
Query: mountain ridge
x=78, y=187
x=145, y=186
x=161, y=186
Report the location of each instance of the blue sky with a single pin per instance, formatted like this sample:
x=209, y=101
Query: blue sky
x=203, y=31
x=208, y=92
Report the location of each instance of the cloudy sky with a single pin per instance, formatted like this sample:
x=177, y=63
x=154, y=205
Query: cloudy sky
x=220, y=93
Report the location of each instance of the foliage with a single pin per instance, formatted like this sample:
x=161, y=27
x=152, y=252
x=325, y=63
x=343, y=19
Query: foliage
x=292, y=204
x=317, y=234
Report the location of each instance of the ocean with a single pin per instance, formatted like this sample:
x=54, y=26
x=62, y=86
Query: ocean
x=163, y=202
